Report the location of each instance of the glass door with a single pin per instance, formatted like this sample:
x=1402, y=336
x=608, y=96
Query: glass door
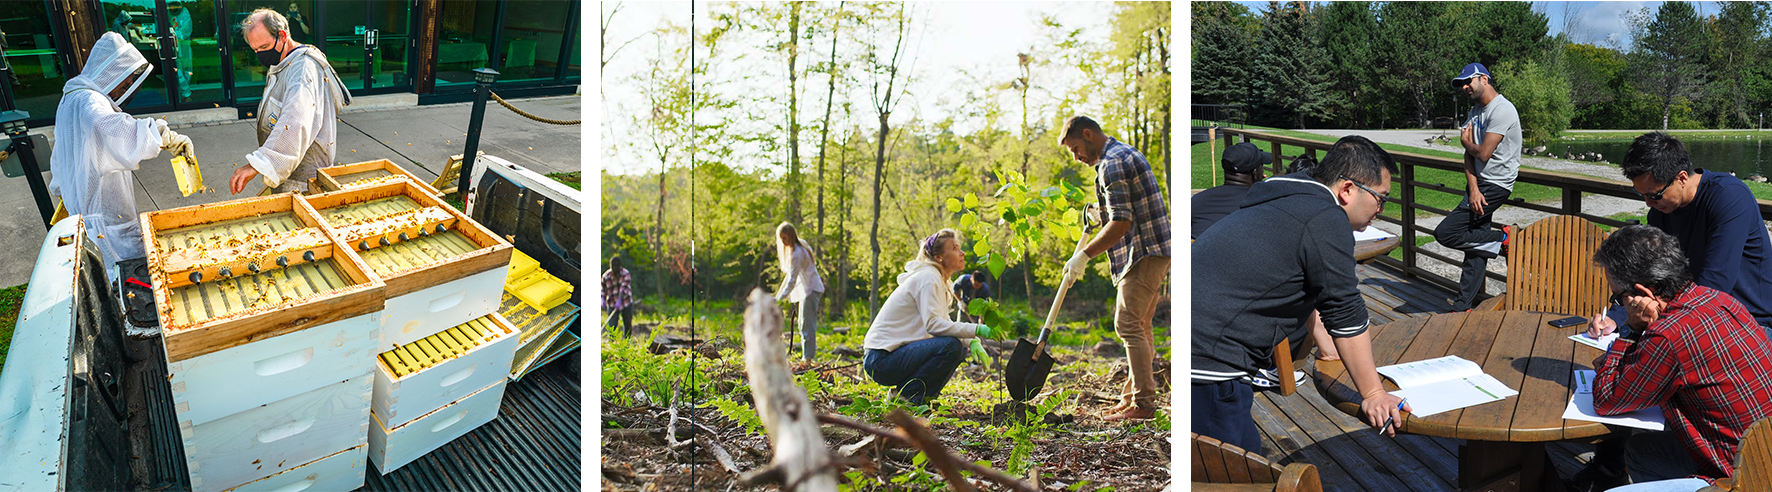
x=389, y=44
x=139, y=22
x=346, y=28
x=180, y=37
x=28, y=53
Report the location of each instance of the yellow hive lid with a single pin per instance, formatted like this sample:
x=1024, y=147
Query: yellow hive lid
x=540, y=290
x=443, y=346
x=521, y=266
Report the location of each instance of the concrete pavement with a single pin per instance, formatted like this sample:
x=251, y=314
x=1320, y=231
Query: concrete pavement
x=418, y=138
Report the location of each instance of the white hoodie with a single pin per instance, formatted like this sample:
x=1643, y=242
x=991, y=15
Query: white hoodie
x=918, y=309
x=98, y=147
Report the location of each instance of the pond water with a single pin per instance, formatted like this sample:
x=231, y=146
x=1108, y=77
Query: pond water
x=1742, y=156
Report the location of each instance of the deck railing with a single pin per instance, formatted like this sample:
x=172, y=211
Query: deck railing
x=1405, y=188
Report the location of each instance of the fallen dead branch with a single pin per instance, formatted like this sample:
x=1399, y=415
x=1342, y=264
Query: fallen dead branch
x=801, y=462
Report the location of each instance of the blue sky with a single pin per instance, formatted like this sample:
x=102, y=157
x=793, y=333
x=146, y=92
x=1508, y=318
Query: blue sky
x=1594, y=22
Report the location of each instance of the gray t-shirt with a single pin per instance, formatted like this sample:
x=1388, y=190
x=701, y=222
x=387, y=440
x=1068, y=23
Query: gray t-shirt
x=1499, y=116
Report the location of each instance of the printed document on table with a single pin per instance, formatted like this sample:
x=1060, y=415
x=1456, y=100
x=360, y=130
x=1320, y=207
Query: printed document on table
x=1412, y=374
x=1603, y=343
x=1452, y=394
x=1581, y=407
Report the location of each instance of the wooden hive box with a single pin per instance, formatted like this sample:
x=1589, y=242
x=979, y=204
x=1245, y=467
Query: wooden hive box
x=245, y=339
x=370, y=173
x=441, y=268
x=423, y=376
x=392, y=448
x=281, y=436
x=341, y=471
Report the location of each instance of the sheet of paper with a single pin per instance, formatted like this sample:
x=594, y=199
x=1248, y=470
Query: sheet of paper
x=1433, y=398
x=1602, y=343
x=1581, y=407
x=1584, y=381
x=1411, y=374
x=1372, y=232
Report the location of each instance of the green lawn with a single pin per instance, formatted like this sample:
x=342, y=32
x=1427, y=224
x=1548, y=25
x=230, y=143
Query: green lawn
x=569, y=179
x=11, y=299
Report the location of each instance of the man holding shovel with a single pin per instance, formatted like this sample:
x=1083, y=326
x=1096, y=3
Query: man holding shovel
x=1136, y=239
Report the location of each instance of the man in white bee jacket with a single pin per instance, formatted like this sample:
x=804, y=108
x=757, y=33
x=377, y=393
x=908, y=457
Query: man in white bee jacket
x=298, y=116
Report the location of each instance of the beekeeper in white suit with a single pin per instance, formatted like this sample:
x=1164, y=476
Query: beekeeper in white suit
x=98, y=147
x=298, y=116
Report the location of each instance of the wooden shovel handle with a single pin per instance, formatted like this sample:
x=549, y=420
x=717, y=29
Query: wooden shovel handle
x=1057, y=302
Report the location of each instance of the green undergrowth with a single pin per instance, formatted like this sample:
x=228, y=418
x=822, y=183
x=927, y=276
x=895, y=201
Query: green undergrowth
x=11, y=300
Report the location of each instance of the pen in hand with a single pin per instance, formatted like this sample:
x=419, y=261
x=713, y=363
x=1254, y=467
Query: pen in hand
x=1389, y=421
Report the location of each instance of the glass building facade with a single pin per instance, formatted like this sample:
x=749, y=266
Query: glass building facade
x=201, y=60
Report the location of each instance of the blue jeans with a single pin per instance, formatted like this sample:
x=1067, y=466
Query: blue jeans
x=809, y=325
x=1221, y=411
x=918, y=369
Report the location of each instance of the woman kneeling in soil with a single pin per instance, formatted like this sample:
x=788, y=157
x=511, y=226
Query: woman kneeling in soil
x=913, y=344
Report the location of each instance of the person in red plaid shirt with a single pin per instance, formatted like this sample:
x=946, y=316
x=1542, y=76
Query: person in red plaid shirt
x=618, y=296
x=1693, y=351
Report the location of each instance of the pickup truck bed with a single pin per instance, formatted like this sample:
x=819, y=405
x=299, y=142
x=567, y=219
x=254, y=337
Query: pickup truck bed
x=532, y=445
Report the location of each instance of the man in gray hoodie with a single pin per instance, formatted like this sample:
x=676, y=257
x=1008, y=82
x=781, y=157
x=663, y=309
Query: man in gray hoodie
x=1303, y=226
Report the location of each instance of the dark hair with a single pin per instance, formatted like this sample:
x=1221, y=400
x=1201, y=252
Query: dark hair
x=1659, y=154
x=1356, y=158
x=1302, y=164
x=1642, y=254
x=1074, y=127
x=615, y=262
x=979, y=275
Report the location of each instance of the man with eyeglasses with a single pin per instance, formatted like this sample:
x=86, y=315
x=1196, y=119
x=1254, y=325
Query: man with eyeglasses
x=1713, y=214
x=1692, y=353
x=1491, y=141
x=1302, y=225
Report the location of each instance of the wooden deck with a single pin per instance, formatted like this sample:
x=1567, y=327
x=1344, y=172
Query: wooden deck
x=1350, y=456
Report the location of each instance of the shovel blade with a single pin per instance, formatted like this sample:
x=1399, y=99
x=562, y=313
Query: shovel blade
x=1025, y=374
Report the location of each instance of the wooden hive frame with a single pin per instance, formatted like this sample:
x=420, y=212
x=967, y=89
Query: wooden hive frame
x=493, y=251
x=186, y=339
x=339, y=177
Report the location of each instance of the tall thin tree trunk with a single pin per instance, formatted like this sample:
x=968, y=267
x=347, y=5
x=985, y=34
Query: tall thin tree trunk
x=794, y=184
x=842, y=284
x=824, y=130
x=874, y=233
x=1027, y=142
x=658, y=259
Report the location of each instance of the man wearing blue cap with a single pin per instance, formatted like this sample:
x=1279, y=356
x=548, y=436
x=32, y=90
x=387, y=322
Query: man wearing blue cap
x=1491, y=140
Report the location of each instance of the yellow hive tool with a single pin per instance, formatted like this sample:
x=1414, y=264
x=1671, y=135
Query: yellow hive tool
x=190, y=177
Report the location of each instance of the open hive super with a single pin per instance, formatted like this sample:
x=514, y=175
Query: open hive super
x=408, y=237
x=364, y=174
x=233, y=272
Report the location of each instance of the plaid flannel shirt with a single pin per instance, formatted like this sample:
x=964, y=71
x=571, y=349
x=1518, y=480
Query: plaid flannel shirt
x=1127, y=190
x=617, y=290
x=1704, y=363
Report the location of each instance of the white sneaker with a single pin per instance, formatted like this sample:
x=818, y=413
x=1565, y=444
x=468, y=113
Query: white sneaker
x=1273, y=375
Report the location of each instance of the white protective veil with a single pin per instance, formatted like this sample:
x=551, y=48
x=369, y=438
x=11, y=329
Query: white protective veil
x=98, y=147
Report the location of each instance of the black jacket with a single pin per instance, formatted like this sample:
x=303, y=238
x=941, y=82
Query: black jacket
x=1260, y=271
x=1212, y=204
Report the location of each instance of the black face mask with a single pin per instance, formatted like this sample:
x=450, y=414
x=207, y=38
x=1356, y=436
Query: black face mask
x=269, y=57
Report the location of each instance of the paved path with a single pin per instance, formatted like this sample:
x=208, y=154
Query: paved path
x=1595, y=205
x=418, y=138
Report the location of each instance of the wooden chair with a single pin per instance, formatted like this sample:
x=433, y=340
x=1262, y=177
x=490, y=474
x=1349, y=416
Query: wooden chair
x=1550, y=268
x=1223, y=467
x=1753, y=462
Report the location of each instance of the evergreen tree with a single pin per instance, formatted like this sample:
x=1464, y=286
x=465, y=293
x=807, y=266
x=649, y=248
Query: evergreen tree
x=1290, y=78
x=1222, y=54
x=1668, y=60
x=1420, y=60
x=1349, y=30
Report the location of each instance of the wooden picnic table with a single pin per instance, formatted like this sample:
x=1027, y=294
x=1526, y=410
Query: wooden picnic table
x=1505, y=440
x=1372, y=248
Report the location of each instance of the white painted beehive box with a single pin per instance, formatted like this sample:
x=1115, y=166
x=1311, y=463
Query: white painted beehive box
x=441, y=268
x=476, y=355
x=393, y=448
x=343, y=470
x=270, y=439
x=219, y=384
